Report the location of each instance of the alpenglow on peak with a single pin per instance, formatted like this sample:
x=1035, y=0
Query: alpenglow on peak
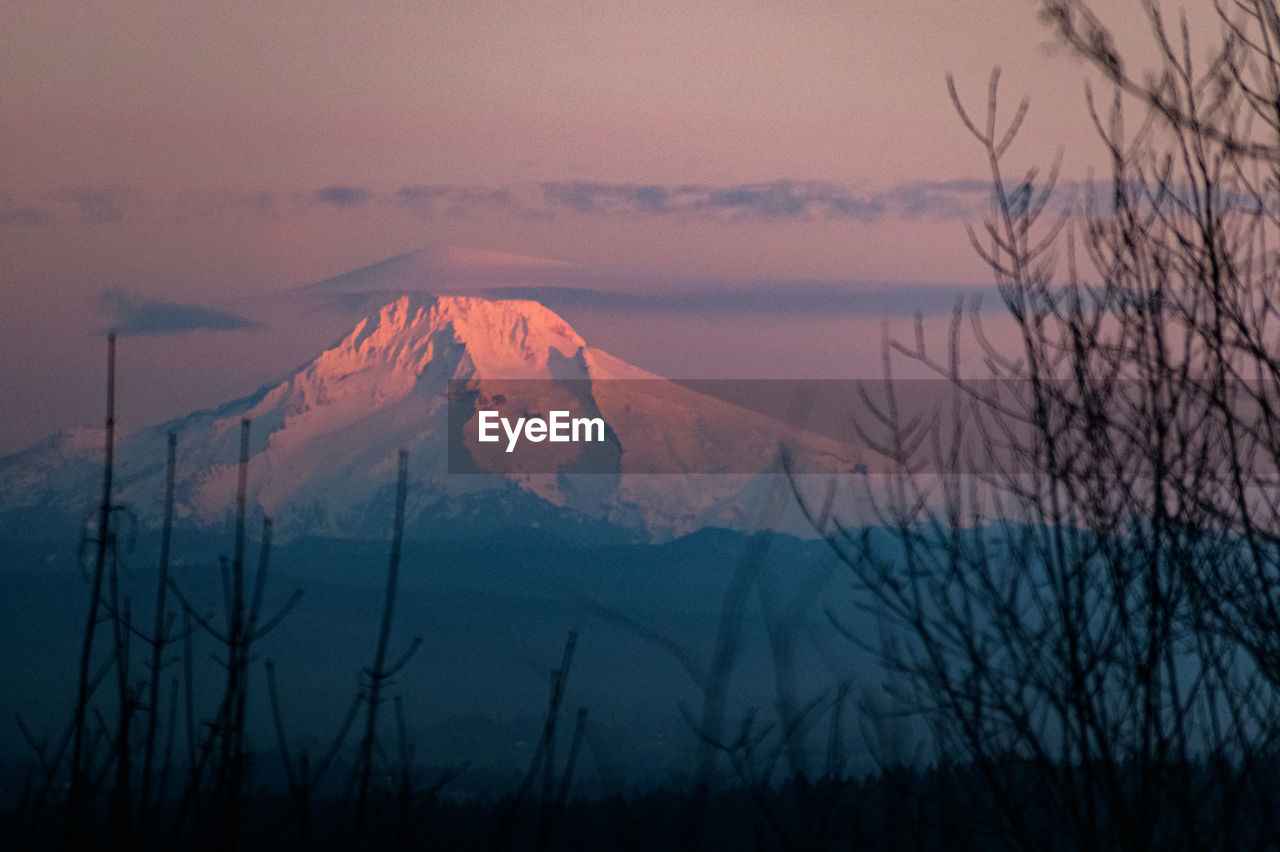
x=502, y=338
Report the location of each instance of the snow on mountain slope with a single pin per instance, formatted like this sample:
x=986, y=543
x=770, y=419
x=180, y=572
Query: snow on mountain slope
x=324, y=440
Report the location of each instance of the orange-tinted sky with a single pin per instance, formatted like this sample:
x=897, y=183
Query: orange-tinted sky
x=196, y=152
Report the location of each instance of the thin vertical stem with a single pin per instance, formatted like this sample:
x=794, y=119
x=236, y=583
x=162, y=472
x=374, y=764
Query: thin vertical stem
x=231, y=769
x=158, y=635
x=378, y=673
x=76, y=791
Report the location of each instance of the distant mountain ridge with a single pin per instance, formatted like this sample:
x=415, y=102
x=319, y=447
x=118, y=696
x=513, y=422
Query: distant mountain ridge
x=324, y=441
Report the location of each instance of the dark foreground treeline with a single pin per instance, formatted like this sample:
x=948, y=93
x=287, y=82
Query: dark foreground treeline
x=936, y=809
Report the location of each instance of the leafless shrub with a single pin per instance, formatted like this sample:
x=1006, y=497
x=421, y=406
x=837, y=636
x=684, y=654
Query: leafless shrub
x=1092, y=623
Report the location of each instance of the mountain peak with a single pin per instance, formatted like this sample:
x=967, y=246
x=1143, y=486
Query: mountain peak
x=325, y=439
x=497, y=333
x=502, y=338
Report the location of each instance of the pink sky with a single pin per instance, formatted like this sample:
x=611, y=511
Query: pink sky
x=209, y=153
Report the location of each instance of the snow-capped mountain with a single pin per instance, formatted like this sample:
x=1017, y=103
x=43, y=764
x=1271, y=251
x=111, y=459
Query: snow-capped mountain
x=325, y=440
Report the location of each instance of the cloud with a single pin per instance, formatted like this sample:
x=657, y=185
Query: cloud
x=261, y=205
x=777, y=200
x=136, y=316
x=419, y=200
x=772, y=201
x=601, y=289
x=103, y=204
x=954, y=199
x=787, y=298
x=780, y=200
x=651, y=199
x=580, y=196
x=24, y=217
x=426, y=200
x=343, y=196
